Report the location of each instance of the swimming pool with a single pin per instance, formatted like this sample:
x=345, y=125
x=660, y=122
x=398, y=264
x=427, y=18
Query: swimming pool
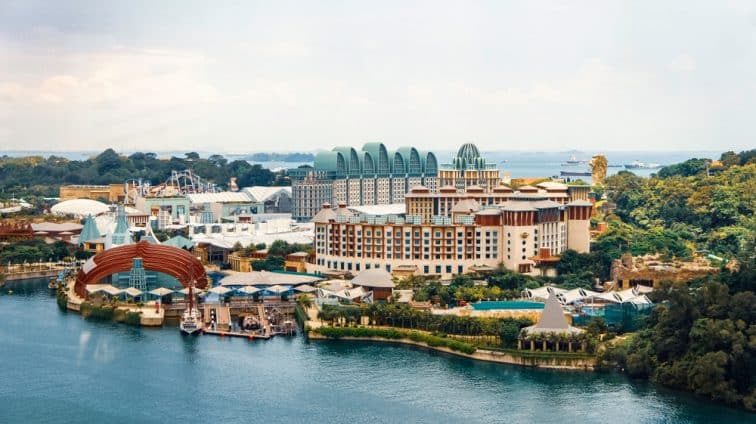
x=593, y=311
x=513, y=304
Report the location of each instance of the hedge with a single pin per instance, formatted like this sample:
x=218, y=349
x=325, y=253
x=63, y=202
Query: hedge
x=394, y=334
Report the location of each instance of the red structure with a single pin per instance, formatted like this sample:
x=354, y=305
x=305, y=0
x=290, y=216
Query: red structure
x=173, y=261
x=12, y=231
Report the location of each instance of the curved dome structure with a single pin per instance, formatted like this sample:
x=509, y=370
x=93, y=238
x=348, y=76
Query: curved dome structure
x=79, y=207
x=469, y=152
x=173, y=261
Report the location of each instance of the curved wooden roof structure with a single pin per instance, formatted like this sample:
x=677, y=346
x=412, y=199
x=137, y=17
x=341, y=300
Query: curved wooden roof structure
x=173, y=261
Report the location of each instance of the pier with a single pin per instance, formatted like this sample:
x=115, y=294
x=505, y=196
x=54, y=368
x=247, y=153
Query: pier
x=30, y=271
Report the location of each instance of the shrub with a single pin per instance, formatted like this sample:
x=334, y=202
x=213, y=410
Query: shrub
x=133, y=318
x=62, y=299
x=394, y=334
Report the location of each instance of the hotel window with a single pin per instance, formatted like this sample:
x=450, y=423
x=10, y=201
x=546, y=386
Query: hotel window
x=425, y=269
x=438, y=269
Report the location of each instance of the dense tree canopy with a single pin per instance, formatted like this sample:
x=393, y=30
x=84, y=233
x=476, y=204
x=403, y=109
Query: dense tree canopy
x=42, y=176
x=686, y=208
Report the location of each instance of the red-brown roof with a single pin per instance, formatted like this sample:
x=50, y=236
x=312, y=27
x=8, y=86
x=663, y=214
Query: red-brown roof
x=173, y=261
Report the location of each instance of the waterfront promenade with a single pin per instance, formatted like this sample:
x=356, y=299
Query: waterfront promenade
x=30, y=271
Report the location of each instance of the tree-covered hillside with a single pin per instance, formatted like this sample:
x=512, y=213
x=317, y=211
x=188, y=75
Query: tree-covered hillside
x=702, y=335
x=42, y=176
x=687, y=207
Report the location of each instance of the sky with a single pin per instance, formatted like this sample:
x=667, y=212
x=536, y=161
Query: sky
x=246, y=76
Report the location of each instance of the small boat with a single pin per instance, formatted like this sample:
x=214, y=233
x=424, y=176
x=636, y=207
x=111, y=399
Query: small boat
x=641, y=165
x=573, y=161
x=56, y=282
x=191, y=321
x=575, y=173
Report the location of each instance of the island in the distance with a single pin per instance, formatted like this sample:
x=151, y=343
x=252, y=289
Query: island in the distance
x=282, y=157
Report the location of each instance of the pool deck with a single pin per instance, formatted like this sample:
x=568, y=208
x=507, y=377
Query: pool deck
x=533, y=314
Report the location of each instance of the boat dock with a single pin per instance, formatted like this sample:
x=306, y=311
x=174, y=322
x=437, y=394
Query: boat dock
x=250, y=336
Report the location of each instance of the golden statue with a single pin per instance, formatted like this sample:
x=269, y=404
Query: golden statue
x=598, y=169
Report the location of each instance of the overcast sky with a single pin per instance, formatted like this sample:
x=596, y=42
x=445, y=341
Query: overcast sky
x=285, y=76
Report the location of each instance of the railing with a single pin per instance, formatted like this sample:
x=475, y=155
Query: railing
x=33, y=267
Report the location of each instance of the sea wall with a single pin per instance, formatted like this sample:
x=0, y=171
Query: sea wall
x=30, y=275
x=546, y=360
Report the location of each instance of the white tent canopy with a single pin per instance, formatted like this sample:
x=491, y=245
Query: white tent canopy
x=161, y=291
x=132, y=292
x=305, y=288
x=248, y=290
x=185, y=291
x=278, y=289
x=219, y=290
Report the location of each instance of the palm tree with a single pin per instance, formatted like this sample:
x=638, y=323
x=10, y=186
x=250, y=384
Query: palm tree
x=304, y=301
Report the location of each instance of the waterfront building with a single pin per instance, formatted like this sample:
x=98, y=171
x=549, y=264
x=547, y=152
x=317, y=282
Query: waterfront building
x=165, y=264
x=376, y=280
x=552, y=322
x=371, y=176
x=469, y=169
x=470, y=235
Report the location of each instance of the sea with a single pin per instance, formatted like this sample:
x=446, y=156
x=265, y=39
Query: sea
x=60, y=368
x=515, y=164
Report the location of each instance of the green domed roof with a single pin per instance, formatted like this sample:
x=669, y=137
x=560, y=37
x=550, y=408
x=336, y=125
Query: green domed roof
x=469, y=152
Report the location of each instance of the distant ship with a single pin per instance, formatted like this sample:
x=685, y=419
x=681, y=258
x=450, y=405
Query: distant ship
x=641, y=165
x=574, y=162
x=575, y=173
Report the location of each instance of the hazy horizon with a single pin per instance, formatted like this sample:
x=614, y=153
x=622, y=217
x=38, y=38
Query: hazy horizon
x=596, y=76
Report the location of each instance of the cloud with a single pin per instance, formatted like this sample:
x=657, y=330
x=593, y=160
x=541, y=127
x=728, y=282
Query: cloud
x=683, y=63
x=141, y=78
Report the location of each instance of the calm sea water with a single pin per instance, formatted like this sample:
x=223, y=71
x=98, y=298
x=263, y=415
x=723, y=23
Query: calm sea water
x=57, y=367
x=516, y=164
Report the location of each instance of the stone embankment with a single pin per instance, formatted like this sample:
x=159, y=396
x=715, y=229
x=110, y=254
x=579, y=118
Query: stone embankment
x=548, y=360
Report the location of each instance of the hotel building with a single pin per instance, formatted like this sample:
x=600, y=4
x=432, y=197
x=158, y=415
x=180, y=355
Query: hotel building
x=469, y=169
x=370, y=176
x=455, y=232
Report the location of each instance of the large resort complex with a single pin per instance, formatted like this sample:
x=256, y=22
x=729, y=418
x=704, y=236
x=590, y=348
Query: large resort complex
x=372, y=175
x=372, y=217
x=473, y=231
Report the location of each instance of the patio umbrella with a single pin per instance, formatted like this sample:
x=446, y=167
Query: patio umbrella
x=277, y=289
x=95, y=288
x=162, y=291
x=132, y=292
x=113, y=291
x=219, y=290
x=196, y=291
x=305, y=288
x=248, y=290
